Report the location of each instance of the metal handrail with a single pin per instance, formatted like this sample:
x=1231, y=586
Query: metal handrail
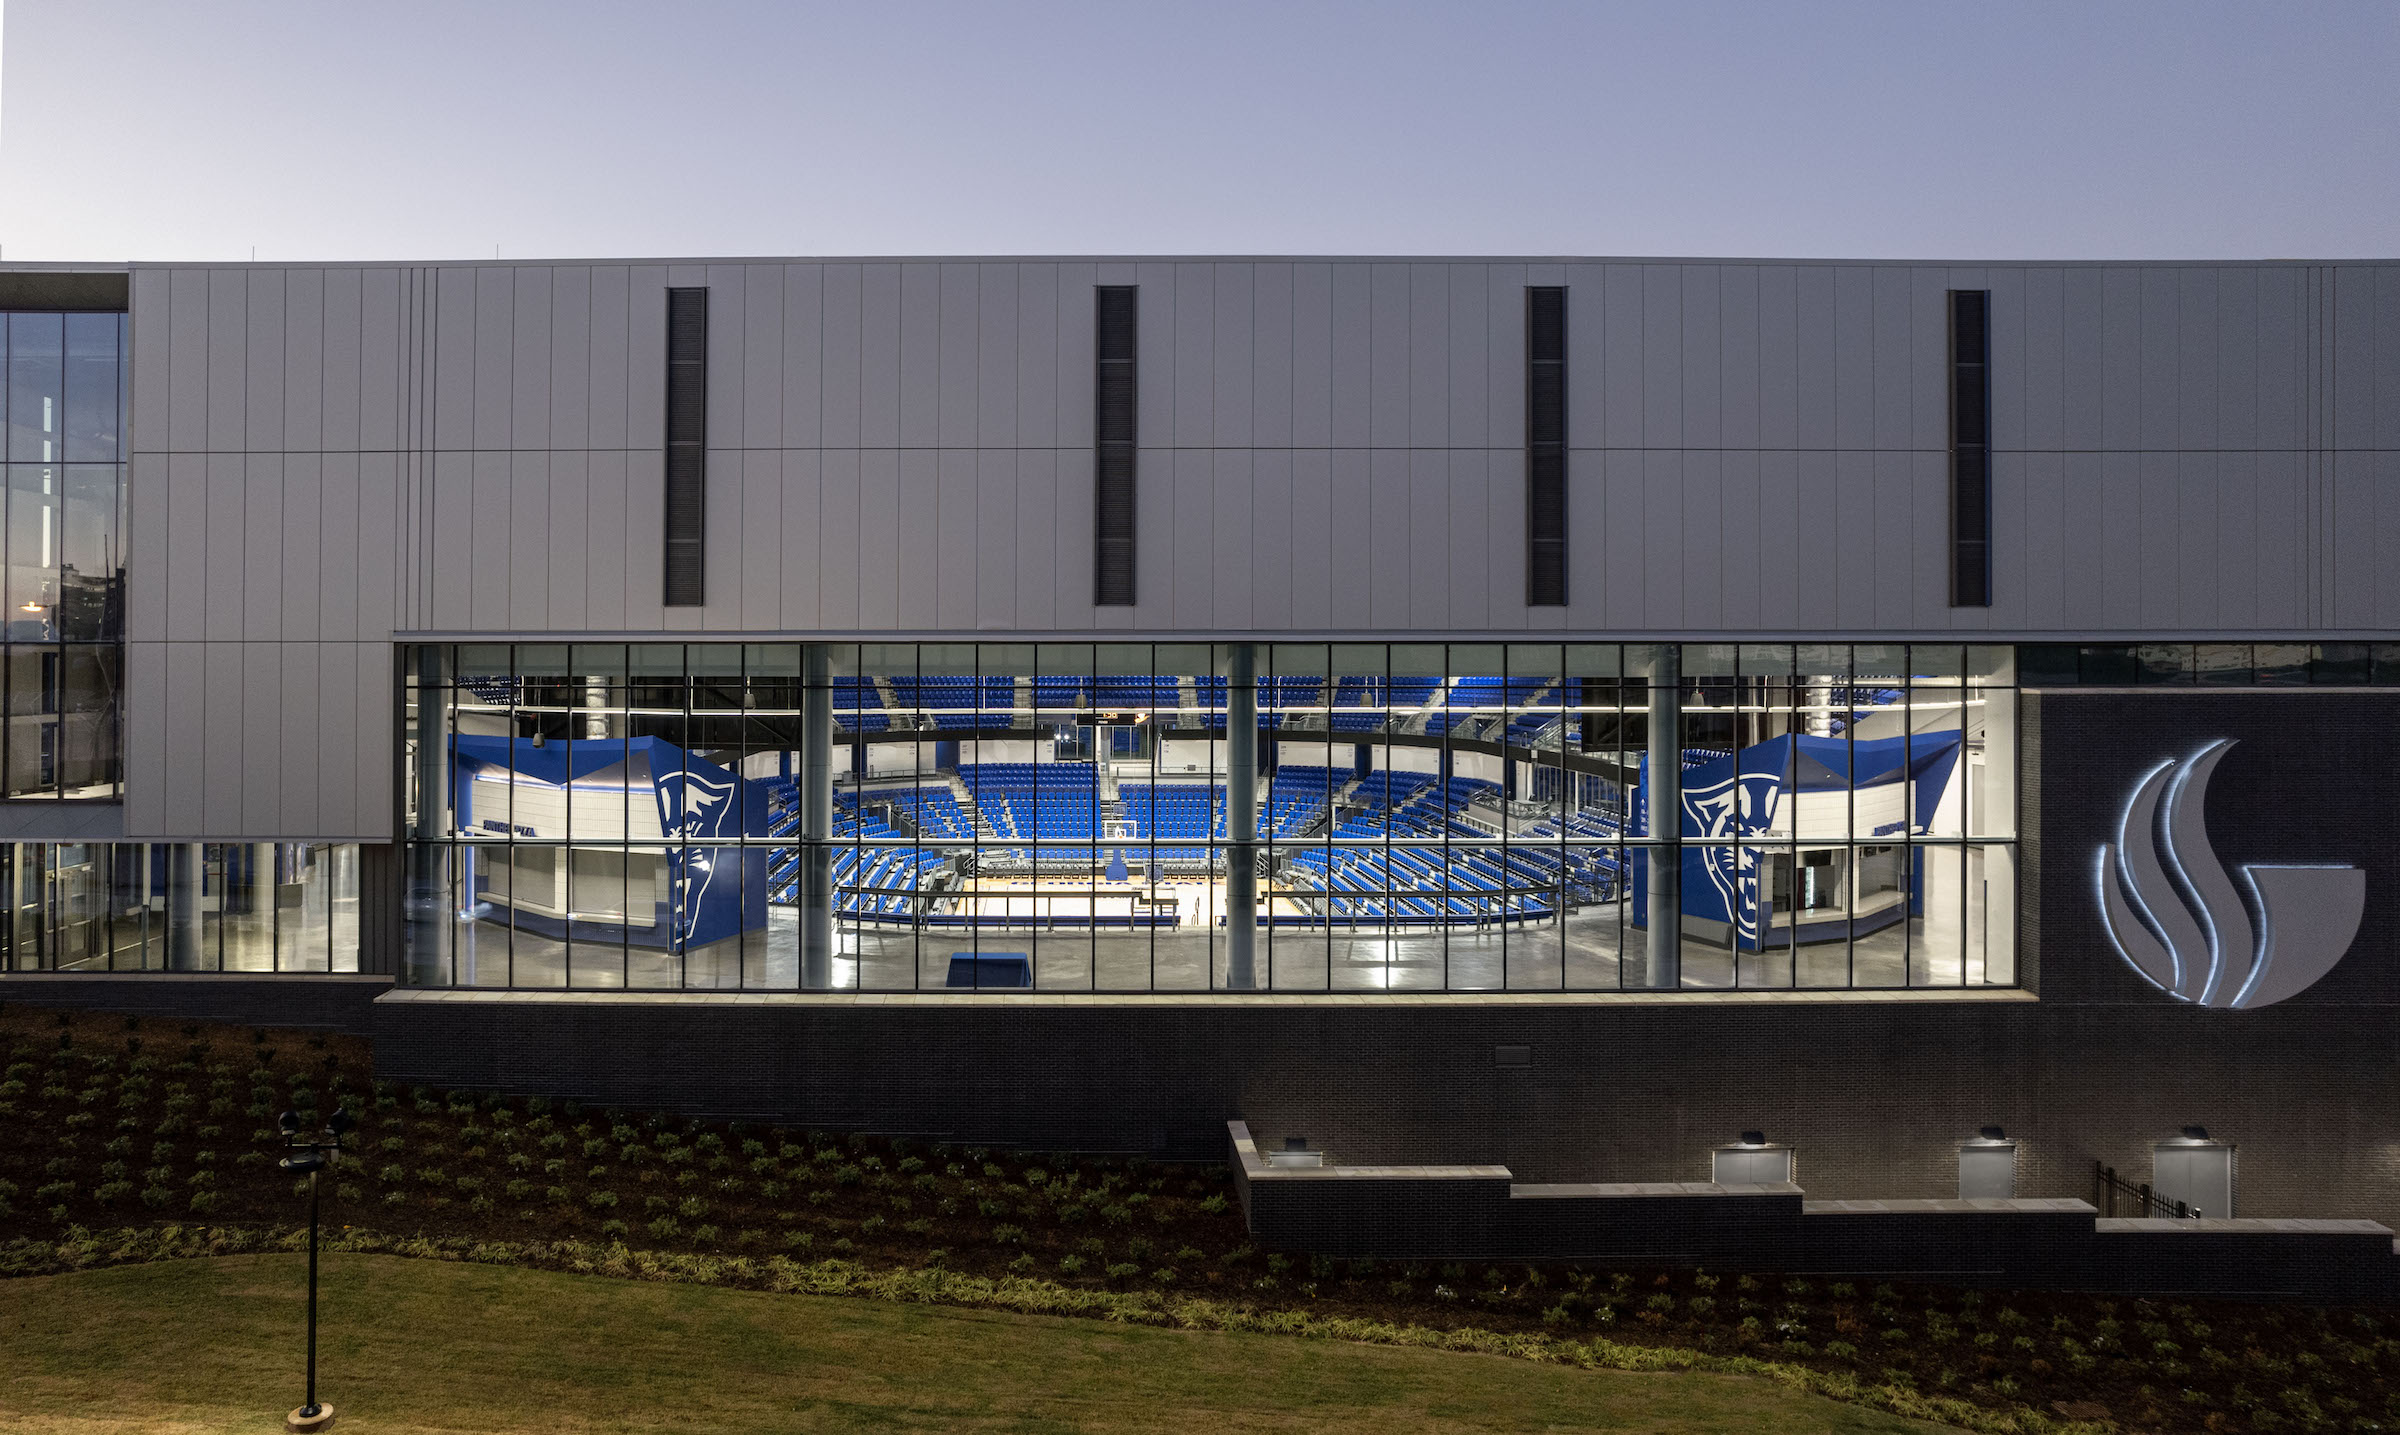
x=2108, y=1188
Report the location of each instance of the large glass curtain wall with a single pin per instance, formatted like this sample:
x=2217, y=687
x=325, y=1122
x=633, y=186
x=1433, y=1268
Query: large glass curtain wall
x=1070, y=817
x=64, y=398
x=184, y=906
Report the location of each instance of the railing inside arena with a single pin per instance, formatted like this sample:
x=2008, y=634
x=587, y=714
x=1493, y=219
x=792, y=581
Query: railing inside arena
x=1428, y=817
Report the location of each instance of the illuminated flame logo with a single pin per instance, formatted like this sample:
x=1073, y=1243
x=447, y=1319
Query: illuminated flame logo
x=2174, y=914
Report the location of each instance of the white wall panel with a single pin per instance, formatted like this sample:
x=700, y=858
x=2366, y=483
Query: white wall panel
x=793, y=586
x=300, y=515
x=913, y=579
x=2160, y=362
x=957, y=518
x=295, y=709
x=992, y=508
x=264, y=767
x=756, y=536
x=566, y=535
x=1782, y=567
x=530, y=513
x=1233, y=357
x=1190, y=376
x=1076, y=371
x=227, y=352
x=1190, y=539
x=956, y=354
x=1702, y=340
x=1738, y=591
x=1035, y=375
x=1074, y=608
x=224, y=484
x=183, y=388
x=1462, y=480
x=1272, y=503
x=2354, y=344
x=148, y=702
x=1623, y=494
x=1737, y=356
x=1468, y=355
x=844, y=357
x=1819, y=386
x=1232, y=522
x=1427, y=601
x=1857, y=510
x=182, y=804
x=530, y=417
x=1043, y=562
x=1895, y=365
x=225, y=681
x=303, y=361
x=1312, y=355
x=1430, y=357
x=1661, y=355
x=568, y=345
x=1351, y=540
x=370, y=414
x=1351, y=360
x=1269, y=375
x=153, y=293
x=2196, y=398
x=841, y=540
x=494, y=378
x=996, y=350
x=1703, y=559
x=1778, y=356
x=1504, y=541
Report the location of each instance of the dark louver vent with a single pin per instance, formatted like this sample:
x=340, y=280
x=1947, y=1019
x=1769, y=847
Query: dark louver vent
x=1545, y=447
x=1113, y=341
x=687, y=446
x=1970, y=449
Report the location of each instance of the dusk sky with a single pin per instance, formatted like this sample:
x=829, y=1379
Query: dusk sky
x=441, y=130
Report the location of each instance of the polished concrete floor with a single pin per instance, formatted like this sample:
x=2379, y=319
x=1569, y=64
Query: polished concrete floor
x=1591, y=950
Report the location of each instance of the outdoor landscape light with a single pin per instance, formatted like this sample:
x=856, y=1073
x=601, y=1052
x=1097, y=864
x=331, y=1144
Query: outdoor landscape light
x=312, y=1157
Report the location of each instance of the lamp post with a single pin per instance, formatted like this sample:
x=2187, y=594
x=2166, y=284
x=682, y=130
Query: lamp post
x=312, y=1156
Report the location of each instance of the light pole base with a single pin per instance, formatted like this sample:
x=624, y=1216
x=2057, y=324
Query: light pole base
x=298, y=1423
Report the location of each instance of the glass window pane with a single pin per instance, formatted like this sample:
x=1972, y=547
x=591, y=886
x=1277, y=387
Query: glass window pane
x=91, y=388
x=91, y=562
x=2156, y=663
x=2281, y=664
x=35, y=501
x=36, y=355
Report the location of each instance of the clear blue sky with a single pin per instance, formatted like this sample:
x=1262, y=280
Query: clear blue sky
x=320, y=130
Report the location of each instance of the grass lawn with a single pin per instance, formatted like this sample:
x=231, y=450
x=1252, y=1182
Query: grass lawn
x=415, y=1345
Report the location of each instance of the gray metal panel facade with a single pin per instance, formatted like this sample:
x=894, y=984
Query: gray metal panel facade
x=327, y=457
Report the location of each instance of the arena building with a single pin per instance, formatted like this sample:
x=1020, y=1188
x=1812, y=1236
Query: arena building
x=1914, y=730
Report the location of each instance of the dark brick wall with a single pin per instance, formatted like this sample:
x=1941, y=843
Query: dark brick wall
x=340, y=1003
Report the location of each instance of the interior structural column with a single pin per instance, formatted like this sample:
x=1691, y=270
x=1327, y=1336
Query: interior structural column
x=1241, y=818
x=816, y=818
x=1666, y=818
x=428, y=899
x=184, y=866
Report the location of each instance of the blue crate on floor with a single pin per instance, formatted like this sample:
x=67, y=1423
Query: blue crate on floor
x=990, y=969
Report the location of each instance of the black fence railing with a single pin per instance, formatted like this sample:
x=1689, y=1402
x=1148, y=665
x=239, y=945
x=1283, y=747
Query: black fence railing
x=2110, y=1191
